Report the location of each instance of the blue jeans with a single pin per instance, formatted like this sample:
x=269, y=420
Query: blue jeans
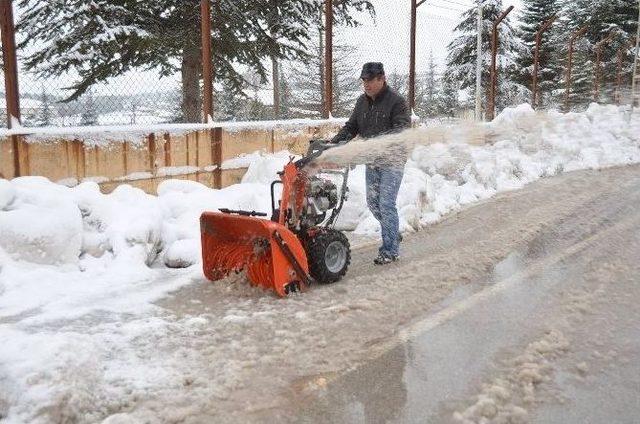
x=383, y=185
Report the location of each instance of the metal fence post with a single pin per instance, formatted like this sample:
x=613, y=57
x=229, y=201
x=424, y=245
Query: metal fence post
x=216, y=156
x=207, y=75
x=536, y=60
x=634, y=83
x=599, y=46
x=12, y=96
x=568, y=77
x=620, y=57
x=479, y=66
x=491, y=109
x=412, y=54
x=328, y=58
x=412, y=57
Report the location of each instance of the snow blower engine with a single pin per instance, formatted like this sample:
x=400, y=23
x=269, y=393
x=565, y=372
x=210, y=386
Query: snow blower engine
x=298, y=246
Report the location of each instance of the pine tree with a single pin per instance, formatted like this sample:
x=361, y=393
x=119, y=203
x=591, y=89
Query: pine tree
x=577, y=14
x=102, y=39
x=461, y=61
x=400, y=83
x=256, y=110
x=447, y=100
x=602, y=18
x=286, y=96
x=621, y=18
x=230, y=105
x=44, y=115
x=428, y=91
x=89, y=115
x=307, y=81
x=535, y=14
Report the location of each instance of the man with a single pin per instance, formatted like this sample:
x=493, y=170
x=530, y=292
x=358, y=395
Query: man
x=378, y=111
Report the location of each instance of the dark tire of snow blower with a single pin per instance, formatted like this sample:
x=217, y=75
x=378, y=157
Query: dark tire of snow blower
x=329, y=255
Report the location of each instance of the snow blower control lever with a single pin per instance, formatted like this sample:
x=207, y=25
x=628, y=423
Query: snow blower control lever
x=243, y=213
x=297, y=246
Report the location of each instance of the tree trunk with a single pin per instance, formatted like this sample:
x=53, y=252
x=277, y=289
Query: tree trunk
x=191, y=98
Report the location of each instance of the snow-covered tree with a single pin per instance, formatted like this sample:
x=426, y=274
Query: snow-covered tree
x=447, y=100
x=400, y=83
x=286, y=96
x=44, y=114
x=89, y=115
x=534, y=15
x=101, y=39
x=576, y=14
x=427, y=88
x=618, y=17
x=307, y=81
x=461, y=60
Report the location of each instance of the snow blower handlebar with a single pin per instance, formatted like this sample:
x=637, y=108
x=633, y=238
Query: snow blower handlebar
x=316, y=148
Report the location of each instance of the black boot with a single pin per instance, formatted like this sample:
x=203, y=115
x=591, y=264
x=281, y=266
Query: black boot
x=383, y=259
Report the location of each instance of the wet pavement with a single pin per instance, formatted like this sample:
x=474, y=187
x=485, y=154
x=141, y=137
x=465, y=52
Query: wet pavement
x=579, y=277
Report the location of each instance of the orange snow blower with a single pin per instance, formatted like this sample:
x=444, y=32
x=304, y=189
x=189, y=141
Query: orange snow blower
x=298, y=246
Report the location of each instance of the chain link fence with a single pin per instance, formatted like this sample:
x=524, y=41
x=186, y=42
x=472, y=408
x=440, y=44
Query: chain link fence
x=76, y=66
x=580, y=60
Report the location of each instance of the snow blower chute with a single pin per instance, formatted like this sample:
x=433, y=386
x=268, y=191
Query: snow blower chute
x=298, y=246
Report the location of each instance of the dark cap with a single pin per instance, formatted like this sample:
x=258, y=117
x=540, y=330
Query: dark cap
x=371, y=70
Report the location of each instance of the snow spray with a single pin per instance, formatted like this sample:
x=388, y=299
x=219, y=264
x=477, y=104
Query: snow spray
x=395, y=148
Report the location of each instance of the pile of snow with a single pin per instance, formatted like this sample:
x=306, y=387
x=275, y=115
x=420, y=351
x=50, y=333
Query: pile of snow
x=39, y=225
x=49, y=224
x=518, y=147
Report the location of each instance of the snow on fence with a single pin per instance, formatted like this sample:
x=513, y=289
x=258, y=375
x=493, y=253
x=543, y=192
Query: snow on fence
x=146, y=156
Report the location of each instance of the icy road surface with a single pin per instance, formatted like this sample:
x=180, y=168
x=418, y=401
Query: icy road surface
x=523, y=308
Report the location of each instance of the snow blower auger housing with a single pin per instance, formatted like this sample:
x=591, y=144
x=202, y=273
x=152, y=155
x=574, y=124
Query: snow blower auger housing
x=298, y=246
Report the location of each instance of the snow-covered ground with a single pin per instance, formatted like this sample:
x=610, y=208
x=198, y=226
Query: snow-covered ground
x=73, y=257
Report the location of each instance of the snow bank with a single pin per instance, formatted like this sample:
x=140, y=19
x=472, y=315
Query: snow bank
x=38, y=223
x=7, y=194
x=263, y=169
x=522, y=146
x=45, y=223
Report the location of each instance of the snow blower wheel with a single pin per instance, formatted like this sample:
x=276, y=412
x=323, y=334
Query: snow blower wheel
x=328, y=255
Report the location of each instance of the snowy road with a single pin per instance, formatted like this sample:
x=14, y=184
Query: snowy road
x=523, y=307
x=552, y=334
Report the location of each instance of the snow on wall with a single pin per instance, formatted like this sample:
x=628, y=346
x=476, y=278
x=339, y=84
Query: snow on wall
x=97, y=135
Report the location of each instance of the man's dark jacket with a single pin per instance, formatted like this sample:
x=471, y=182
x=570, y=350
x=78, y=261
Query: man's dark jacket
x=387, y=113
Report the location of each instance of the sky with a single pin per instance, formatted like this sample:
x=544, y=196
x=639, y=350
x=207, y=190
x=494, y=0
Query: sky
x=387, y=40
